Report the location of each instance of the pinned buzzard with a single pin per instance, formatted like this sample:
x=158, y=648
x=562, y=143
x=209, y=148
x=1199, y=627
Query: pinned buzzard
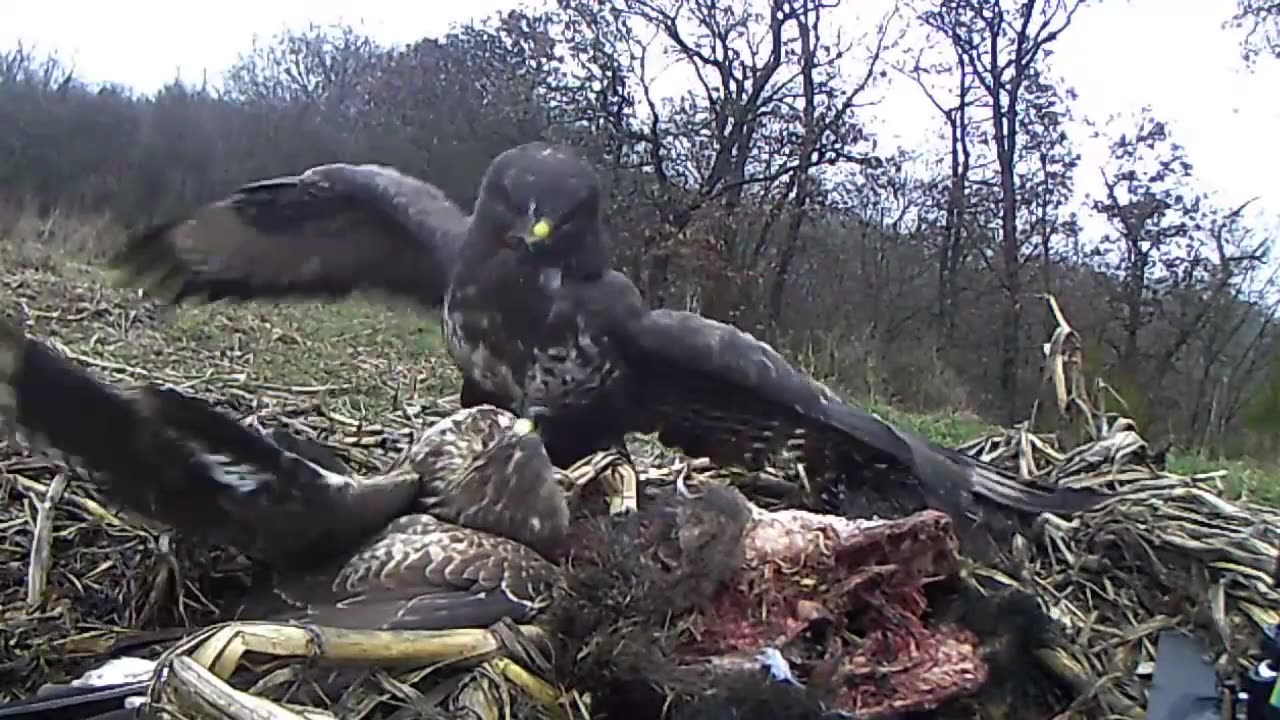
x=344, y=551
x=540, y=325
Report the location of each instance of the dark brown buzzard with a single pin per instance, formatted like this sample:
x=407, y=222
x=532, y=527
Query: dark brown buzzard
x=463, y=532
x=540, y=325
x=703, y=594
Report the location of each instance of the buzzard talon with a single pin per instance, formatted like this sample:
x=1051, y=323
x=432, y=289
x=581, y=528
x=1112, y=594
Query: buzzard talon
x=622, y=487
x=583, y=472
x=682, y=487
x=534, y=316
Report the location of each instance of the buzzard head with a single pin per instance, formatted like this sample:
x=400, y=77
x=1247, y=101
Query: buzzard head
x=542, y=202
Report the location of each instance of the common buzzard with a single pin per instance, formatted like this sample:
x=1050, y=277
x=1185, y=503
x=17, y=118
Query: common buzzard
x=539, y=324
x=343, y=551
x=747, y=585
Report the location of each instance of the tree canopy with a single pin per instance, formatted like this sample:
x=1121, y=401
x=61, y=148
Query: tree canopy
x=746, y=183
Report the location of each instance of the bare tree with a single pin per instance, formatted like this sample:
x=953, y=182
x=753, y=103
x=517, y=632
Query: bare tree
x=1155, y=215
x=958, y=113
x=324, y=67
x=1182, y=267
x=1047, y=178
x=1260, y=19
x=769, y=106
x=1004, y=46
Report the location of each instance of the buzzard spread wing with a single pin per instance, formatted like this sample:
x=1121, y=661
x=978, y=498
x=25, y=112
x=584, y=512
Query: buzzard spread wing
x=423, y=574
x=716, y=391
x=333, y=230
x=482, y=469
x=179, y=461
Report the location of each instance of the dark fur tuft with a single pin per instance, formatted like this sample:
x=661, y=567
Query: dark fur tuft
x=633, y=576
x=1012, y=625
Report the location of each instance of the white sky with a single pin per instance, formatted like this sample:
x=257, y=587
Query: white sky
x=1118, y=54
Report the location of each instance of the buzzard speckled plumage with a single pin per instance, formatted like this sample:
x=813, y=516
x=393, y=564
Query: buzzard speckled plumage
x=396, y=550
x=540, y=325
x=456, y=459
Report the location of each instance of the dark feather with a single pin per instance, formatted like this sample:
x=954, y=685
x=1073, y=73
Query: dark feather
x=310, y=450
x=175, y=459
x=343, y=550
x=711, y=389
x=333, y=230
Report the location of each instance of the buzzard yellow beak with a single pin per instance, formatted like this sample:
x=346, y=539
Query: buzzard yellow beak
x=523, y=426
x=540, y=231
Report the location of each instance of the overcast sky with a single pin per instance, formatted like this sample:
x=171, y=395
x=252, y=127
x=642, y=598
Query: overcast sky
x=1118, y=55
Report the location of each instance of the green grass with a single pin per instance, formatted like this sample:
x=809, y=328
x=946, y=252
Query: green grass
x=371, y=357
x=1242, y=479
x=1246, y=478
x=947, y=428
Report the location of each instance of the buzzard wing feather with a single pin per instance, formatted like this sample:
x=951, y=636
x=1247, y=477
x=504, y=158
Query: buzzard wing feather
x=714, y=390
x=421, y=573
x=331, y=231
x=179, y=461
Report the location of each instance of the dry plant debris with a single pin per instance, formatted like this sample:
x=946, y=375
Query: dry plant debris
x=1169, y=551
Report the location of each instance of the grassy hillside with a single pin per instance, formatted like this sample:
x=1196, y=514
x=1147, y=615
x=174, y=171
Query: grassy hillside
x=362, y=357
x=360, y=354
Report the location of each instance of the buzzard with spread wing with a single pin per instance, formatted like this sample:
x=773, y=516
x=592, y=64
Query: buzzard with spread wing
x=343, y=551
x=539, y=324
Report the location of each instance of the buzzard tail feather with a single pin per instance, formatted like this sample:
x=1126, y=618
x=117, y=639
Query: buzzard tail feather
x=1006, y=489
